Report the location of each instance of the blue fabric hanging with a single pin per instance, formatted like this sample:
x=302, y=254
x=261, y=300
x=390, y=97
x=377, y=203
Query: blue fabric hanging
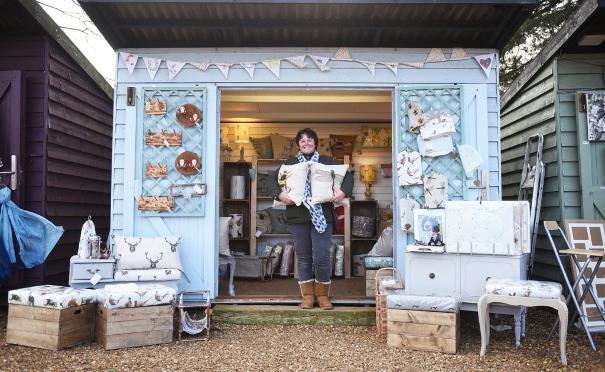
x=35, y=235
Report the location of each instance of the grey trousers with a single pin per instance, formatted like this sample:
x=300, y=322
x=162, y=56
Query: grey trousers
x=312, y=251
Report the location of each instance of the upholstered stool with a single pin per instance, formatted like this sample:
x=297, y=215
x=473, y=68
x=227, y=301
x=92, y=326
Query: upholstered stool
x=522, y=293
x=426, y=323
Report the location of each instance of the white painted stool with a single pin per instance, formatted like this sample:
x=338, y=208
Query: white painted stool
x=522, y=293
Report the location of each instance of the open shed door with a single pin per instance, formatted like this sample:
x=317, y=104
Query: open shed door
x=182, y=197
x=591, y=157
x=11, y=137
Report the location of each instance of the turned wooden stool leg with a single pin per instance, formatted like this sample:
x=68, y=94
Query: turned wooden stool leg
x=563, y=314
x=483, y=313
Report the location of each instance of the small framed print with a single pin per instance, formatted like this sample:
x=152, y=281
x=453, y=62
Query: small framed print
x=595, y=115
x=429, y=226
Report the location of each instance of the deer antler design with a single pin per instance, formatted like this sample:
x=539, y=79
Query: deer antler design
x=132, y=246
x=173, y=246
x=152, y=262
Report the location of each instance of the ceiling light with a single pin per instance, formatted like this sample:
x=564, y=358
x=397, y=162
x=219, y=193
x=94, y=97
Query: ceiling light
x=591, y=40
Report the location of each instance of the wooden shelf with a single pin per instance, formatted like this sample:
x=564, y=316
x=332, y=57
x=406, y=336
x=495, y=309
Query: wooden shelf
x=361, y=239
x=264, y=198
x=239, y=239
x=236, y=201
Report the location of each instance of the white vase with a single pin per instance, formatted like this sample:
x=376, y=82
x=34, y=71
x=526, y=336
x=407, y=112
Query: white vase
x=236, y=225
x=238, y=189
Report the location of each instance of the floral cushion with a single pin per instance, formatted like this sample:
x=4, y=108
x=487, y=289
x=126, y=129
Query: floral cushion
x=52, y=296
x=146, y=275
x=147, y=253
x=523, y=288
x=119, y=296
x=423, y=303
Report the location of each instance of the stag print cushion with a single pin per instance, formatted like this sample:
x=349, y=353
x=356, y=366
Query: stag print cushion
x=326, y=181
x=52, y=296
x=423, y=303
x=147, y=253
x=146, y=275
x=119, y=296
x=523, y=288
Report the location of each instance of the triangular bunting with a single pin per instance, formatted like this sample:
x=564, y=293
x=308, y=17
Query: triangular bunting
x=249, y=67
x=435, y=55
x=458, y=53
x=414, y=64
x=298, y=61
x=130, y=60
x=174, y=67
x=224, y=68
x=321, y=62
x=342, y=53
x=486, y=61
x=273, y=66
x=153, y=65
x=393, y=66
x=371, y=66
x=201, y=65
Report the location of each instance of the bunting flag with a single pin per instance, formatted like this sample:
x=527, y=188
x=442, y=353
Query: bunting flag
x=342, y=53
x=486, y=61
x=298, y=61
x=224, y=68
x=201, y=65
x=458, y=54
x=414, y=64
x=393, y=66
x=435, y=55
x=321, y=62
x=371, y=66
x=153, y=65
x=130, y=60
x=273, y=65
x=174, y=67
x=249, y=67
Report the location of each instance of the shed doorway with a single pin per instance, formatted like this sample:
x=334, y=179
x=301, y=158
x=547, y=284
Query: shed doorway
x=255, y=124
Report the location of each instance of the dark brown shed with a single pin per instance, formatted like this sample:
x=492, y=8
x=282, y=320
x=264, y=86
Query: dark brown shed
x=56, y=116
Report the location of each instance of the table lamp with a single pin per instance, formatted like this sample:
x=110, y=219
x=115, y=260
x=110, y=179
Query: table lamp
x=367, y=175
x=242, y=135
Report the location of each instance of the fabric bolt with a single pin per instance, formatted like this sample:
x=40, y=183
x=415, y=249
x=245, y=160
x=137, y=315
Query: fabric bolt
x=119, y=296
x=435, y=191
x=285, y=266
x=423, y=303
x=146, y=275
x=35, y=235
x=409, y=168
x=317, y=217
x=312, y=251
x=523, y=288
x=339, y=258
x=52, y=296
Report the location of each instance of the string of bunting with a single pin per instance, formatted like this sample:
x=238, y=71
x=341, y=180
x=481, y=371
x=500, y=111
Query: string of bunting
x=435, y=55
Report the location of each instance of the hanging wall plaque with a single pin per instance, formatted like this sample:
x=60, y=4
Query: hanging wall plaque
x=188, y=163
x=189, y=115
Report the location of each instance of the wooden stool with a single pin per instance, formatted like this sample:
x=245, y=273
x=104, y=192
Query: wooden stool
x=522, y=293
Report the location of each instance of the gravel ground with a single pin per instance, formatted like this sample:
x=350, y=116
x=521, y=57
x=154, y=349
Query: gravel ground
x=237, y=347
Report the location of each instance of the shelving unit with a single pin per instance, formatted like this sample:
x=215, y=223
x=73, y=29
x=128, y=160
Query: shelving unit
x=239, y=206
x=366, y=208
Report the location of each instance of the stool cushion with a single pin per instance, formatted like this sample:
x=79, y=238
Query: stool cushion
x=377, y=262
x=146, y=275
x=422, y=303
x=118, y=296
x=523, y=288
x=52, y=296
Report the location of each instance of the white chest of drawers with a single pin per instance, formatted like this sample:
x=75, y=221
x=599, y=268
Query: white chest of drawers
x=81, y=270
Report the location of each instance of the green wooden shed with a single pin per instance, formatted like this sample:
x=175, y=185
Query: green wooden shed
x=548, y=98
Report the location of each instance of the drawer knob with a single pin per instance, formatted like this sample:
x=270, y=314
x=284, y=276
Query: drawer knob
x=92, y=272
x=432, y=275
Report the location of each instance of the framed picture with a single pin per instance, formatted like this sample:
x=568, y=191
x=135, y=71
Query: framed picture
x=376, y=137
x=429, y=226
x=595, y=115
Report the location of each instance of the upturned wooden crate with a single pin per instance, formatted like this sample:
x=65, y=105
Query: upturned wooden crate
x=135, y=326
x=371, y=283
x=423, y=330
x=51, y=329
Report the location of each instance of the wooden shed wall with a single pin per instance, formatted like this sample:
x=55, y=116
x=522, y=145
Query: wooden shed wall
x=79, y=157
x=533, y=111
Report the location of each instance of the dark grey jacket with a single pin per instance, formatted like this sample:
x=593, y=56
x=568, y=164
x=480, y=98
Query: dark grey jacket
x=300, y=214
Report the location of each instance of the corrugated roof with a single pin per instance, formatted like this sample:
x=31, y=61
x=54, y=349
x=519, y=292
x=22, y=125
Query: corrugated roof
x=172, y=24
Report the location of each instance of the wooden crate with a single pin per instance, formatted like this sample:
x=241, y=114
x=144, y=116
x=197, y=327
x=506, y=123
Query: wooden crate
x=370, y=283
x=423, y=330
x=51, y=329
x=130, y=327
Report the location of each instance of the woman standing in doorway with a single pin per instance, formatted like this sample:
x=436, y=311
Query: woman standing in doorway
x=311, y=225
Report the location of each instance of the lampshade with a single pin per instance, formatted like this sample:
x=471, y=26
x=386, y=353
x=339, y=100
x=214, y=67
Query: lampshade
x=242, y=133
x=367, y=173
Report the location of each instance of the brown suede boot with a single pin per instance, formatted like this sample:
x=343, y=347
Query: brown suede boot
x=308, y=296
x=322, y=291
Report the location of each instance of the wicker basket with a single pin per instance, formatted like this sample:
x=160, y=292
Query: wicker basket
x=363, y=227
x=381, y=295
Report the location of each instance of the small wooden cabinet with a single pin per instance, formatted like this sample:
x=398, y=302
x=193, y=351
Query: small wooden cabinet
x=81, y=270
x=237, y=206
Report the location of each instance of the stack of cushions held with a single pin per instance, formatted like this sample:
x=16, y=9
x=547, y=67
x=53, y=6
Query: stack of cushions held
x=147, y=259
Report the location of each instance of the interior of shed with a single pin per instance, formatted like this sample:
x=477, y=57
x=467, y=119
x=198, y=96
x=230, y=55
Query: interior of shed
x=258, y=114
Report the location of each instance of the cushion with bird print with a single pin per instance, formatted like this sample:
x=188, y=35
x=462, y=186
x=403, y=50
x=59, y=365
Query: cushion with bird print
x=119, y=296
x=52, y=296
x=146, y=275
x=146, y=252
x=292, y=179
x=326, y=181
